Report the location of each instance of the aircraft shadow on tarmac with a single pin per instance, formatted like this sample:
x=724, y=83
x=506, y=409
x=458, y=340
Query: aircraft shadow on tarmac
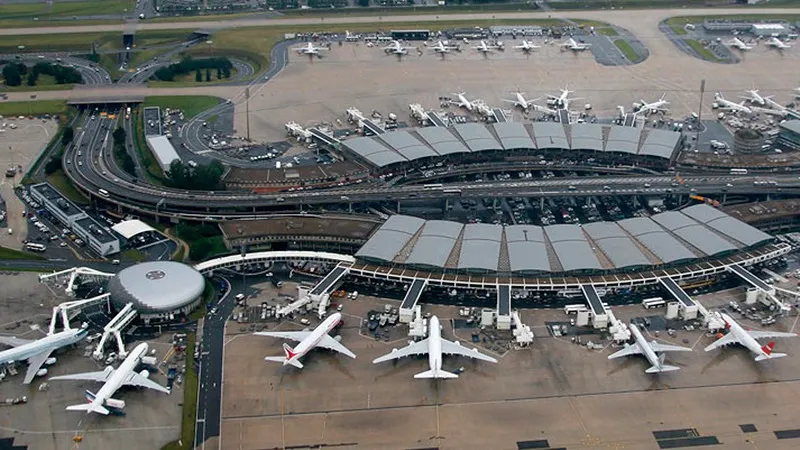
x=317, y=360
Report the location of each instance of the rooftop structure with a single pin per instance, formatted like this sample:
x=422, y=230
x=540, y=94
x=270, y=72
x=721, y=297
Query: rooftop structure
x=130, y=228
x=163, y=150
x=663, y=240
x=158, y=289
x=408, y=146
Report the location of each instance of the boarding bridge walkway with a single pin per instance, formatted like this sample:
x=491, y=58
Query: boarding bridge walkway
x=689, y=307
x=563, y=116
x=499, y=115
x=503, y=307
x=598, y=311
x=322, y=137
x=324, y=286
x=752, y=279
x=411, y=299
x=629, y=120
x=436, y=120
x=373, y=127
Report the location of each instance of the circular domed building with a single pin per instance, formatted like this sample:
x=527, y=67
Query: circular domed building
x=159, y=290
x=747, y=141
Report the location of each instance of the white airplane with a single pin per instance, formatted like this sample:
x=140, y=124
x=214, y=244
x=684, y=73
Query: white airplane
x=754, y=97
x=729, y=105
x=462, y=101
x=485, y=48
x=396, y=48
x=571, y=44
x=435, y=347
x=521, y=101
x=796, y=92
x=747, y=338
x=309, y=49
x=562, y=100
x=544, y=110
x=737, y=43
x=651, y=108
x=649, y=350
x=124, y=375
x=440, y=47
x=308, y=340
x=526, y=46
x=778, y=44
x=37, y=352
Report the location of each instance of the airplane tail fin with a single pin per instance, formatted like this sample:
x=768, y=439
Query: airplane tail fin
x=662, y=368
x=771, y=356
x=284, y=361
x=89, y=407
x=435, y=374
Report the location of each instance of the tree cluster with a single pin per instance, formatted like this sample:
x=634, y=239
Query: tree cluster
x=54, y=162
x=222, y=66
x=13, y=73
x=202, y=177
x=200, y=239
x=62, y=74
x=121, y=153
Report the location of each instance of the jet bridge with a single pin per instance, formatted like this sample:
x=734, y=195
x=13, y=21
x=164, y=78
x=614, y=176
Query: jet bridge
x=322, y=137
x=319, y=293
x=436, y=119
x=72, y=274
x=499, y=115
x=598, y=311
x=372, y=127
x=410, y=300
x=123, y=318
x=689, y=308
x=759, y=284
x=629, y=120
x=68, y=310
x=503, y=307
x=563, y=116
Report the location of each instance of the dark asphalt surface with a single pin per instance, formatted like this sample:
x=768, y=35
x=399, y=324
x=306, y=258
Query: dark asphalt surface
x=209, y=395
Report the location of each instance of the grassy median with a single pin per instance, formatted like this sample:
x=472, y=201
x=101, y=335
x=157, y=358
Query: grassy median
x=627, y=50
x=8, y=253
x=191, y=105
x=702, y=50
x=33, y=108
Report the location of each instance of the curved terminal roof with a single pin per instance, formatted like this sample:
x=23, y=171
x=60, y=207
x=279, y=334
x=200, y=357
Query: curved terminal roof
x=130, y=228
x=667, y=238
x=158, y=286
x=400, y=146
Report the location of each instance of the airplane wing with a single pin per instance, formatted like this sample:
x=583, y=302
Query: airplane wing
x=34, y=364
x=417, y=348
x=291, y=335
x=451, y=348
x=136, y=379
x=332, y=344
x=661, y=348
x=12, y=341
x=101, y=376
x=728, y=339
x=633, y=349
x=769, y=334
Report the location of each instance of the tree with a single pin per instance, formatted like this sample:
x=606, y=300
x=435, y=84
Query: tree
x=364, y=3
x=200, y=249
x=31, y=79
x=198, y=77
x=226, y=72
x=53, y=164
x=219, y=73
x=119, y=135
x=68, y=135
x=12, y=75
x=208, y=75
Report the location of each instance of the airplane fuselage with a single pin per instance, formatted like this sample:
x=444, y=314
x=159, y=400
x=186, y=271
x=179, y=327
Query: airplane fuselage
x=646, y=349
x=55, y=341
x=435, y=345
x=121, y=374
x=313, y=339
x=743, y=336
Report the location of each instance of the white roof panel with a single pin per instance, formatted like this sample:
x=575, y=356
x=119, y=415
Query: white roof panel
x=587, y=136
x=442, y=140
x=660, y=143
x=477, y=137
x=513, y=135
x=550, y=135
x=130, y=228
x=623, y=140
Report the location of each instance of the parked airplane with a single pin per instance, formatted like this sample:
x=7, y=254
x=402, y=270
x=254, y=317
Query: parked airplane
x=777, y=43
x=754, y=97
x=729, y=105
x=562, y=100
x=309, y=49
x=521, y=101
x=462, y=101
x=649, y=350
x=308, y=340
x=571, y=44
x=396, y=48
x=747, y=338
x=435, y=347
x=737, y=43
x=125, y=375
x=485, y=48
x=440, y=47
x=651, y=108
x=526, y=46
x=37, y=352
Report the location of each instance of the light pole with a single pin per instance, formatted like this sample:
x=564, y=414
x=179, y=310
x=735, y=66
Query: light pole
x=160, y=202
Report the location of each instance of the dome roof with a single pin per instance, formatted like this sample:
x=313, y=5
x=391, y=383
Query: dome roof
x=158, y=286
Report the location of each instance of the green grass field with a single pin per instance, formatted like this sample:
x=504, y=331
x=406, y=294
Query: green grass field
x=153, y=172
x=188, y=80
x=60, y=10
x=34, y=108
x=191, y=105
x=57, y=42
x=627, y=50
x=43, y=83
x=7, y=253
x=702, y=50
x=607, y=31
x=189, y=400
x=63, y=185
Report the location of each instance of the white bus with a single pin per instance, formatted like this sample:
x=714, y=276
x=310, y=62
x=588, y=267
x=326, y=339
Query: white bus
x=432, y=186
x=738, y=171
x=575, y=309
x=103, y=192
x=655, y=302
x=452, y=191
x=34, y=247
